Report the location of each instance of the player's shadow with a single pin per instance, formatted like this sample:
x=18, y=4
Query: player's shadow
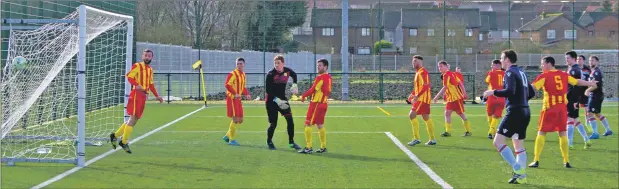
x=487, y=149
x=189, y=167
x=118, y=171
x=538, y=186
x=361, y=158
x=581, y=169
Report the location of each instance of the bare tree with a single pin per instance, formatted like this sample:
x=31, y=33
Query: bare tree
x=198, y=18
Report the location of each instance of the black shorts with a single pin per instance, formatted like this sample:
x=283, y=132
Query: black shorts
x=516, y=121
x=273, y=109
x=594, y=105
x=572, y=112
x=584, y=100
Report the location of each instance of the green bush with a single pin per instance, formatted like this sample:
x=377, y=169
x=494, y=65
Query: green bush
x=381, y=44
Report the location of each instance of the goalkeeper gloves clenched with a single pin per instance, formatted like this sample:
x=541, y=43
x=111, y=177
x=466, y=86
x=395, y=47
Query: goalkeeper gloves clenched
x=281, y=103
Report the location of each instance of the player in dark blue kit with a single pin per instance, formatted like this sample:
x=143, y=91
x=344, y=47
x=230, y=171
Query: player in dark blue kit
x=517, y=90
x=596, y=96
x=586, y=70
x=276, y=101
x=574, y=94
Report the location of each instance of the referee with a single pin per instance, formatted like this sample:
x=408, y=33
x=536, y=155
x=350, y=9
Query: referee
x=276, y=101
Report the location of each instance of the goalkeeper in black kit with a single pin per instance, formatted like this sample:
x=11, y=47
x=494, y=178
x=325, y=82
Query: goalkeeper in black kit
x=276, y=101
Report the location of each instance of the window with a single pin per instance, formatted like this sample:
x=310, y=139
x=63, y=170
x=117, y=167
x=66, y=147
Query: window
x=430, y=32
x=412, y=32
x=550, y=34
x=468, y=33
x=481, y=37
x=365, y=31
x=451, y=32
x=363, y=50
x=328, y=32
x=468, y=50
x=570, y=34
x=612, y=34
x=413, y=50
x=590, y=33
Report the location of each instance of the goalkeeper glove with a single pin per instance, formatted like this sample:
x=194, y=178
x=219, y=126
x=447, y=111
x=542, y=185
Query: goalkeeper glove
x=294, y=89
x=281, y=103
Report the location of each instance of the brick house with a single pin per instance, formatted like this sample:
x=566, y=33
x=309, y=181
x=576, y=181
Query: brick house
x=600, y=24
x=363, y=30
x=550, y=28
x=423, y=31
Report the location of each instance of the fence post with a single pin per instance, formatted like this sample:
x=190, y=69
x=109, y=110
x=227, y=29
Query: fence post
x=381, y=88
x=169, y=85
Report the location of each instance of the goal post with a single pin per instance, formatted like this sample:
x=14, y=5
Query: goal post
x=69, y=90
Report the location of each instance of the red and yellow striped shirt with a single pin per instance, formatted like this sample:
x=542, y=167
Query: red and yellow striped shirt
x=235, y=83
x=554, y=83
x=451, y=83
x=422, y=86
x=494, y=79
x=141, y=74
x=321, y=89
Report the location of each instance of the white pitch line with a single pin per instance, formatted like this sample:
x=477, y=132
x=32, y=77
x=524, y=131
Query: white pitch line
x=261, y=132
x=419, y=163
x=75, y=169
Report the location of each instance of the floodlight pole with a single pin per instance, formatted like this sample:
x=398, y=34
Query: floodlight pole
x=344, y=50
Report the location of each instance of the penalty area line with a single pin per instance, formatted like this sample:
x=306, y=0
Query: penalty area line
x=419, y=163
x=75, y=169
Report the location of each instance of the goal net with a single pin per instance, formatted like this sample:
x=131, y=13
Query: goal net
x=69, y=87
x=609, y=65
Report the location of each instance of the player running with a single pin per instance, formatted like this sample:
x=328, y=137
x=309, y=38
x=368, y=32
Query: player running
x=554, y=110
x=420, y=98
x=235, y=86
x=453, y=97
x=142, y=81
x=596, y=96
x=517, y=91
x=494, y=105
x=276, y=101
x=319, y=92
x=574, y=93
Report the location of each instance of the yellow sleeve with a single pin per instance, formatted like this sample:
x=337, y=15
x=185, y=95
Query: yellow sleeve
x=539, y=83
x=572, y=81
x=488, y=79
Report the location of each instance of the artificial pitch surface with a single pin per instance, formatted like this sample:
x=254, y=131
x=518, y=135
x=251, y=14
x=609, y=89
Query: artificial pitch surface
x=367, y=149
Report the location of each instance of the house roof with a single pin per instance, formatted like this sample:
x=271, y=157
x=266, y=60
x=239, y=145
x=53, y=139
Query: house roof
x=505, y=21
x=481, y=7
x=541, y=21
x=405, y=5
x=488, y=21
x=391, y=19
x=421, y=18
x=325, y=18
x=589, y=18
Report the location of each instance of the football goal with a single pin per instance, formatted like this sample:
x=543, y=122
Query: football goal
x=63, y=85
